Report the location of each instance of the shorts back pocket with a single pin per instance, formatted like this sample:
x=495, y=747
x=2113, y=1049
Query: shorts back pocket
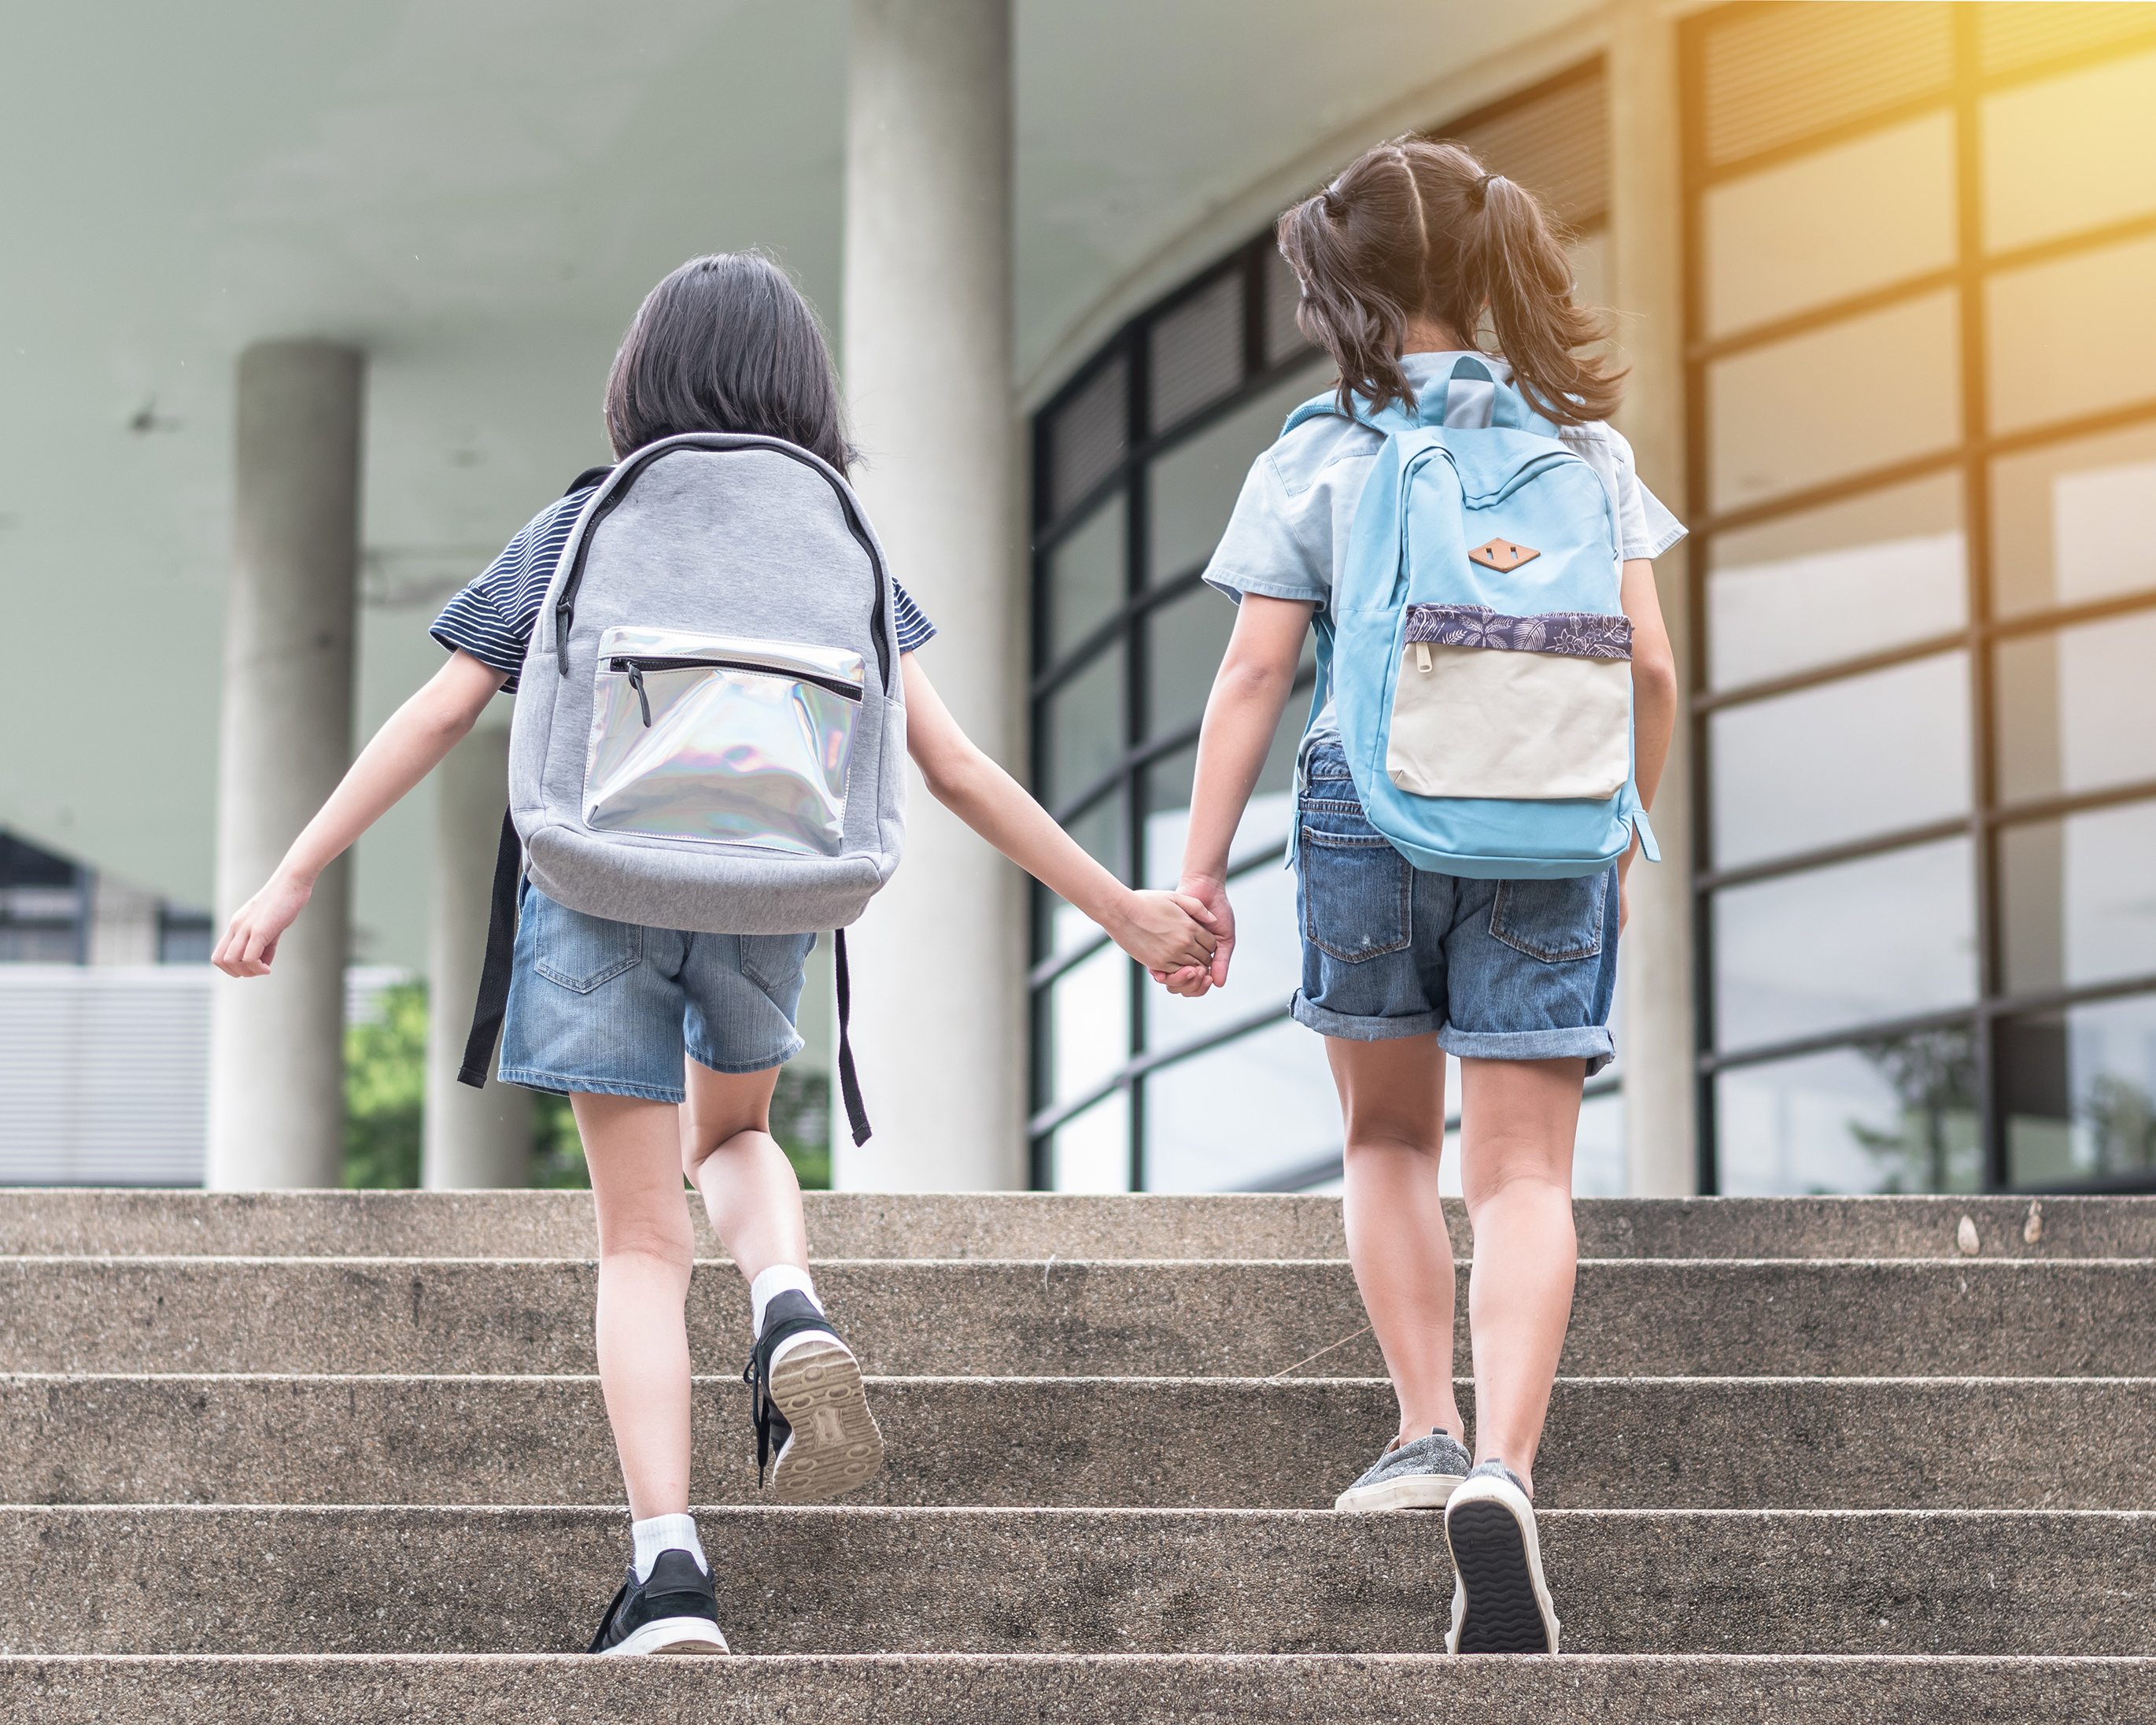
x=1356, y=891
x=1554, y=921
x=580, y=953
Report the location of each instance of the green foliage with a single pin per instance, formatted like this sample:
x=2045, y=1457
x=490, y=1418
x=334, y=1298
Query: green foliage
x=557, y=1152
x=800, y=1120
x=385, y=1091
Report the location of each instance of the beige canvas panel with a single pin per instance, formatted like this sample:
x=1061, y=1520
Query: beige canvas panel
x=1483, y=721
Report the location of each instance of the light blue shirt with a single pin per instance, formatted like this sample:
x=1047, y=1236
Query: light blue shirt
x=1288, y=536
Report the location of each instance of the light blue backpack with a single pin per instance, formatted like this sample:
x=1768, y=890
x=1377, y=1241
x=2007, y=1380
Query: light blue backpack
x=1476, y=651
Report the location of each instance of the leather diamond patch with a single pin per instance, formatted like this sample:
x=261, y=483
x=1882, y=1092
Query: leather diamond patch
x=1503, y=556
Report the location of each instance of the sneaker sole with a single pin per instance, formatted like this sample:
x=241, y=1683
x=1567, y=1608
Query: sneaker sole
x=835, y=1446
x=671, y=1635
x=1417, y=1490
x=1501, y=1605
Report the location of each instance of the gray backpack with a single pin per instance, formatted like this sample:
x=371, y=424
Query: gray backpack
x=710, y=732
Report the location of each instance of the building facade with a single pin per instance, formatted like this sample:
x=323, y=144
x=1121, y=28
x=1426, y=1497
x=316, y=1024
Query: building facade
x=1918, y=434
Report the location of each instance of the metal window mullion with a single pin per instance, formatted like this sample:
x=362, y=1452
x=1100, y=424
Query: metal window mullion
x=1691, y=94
x=1136, y=567
x=1976, y=541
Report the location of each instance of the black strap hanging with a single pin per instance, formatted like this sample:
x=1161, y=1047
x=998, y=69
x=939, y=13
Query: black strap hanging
x=849, y=1086
x=493, y=1002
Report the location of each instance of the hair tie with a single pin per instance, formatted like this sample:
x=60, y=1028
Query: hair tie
x=1484, y=184
x=1331, y=195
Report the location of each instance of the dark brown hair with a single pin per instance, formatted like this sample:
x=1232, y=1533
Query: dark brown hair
x=1414, y=229
x=726, y=343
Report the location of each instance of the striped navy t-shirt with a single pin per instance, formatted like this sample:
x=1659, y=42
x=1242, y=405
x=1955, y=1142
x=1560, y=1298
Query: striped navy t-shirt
x=492, y=620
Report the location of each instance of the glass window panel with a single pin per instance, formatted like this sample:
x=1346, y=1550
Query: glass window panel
x=1283, y=293
x=1086, y=576
x=2080, y=1092
x=1084, y=722
x=1253, y=1112
x=1099, y=831
x=1892, y=1116
x=1092, y=1151
x=1088, y=1012
x=1830, y=225
x=1085, y=438
x=1841, y=761
x=2076, y=521
x=1184, y=640
x=1195, y=485
x=1865, y=392
x=2079, y=898
x=1195, y=352
x=2069, y=336
x=2077, y=708
x=1834, y=583
x=1881, y=937
x=2056, y=159
x=1598, y=1151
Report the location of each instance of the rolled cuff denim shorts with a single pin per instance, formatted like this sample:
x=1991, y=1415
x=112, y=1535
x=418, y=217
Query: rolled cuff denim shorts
x=610, y=1008
x=1501, y=970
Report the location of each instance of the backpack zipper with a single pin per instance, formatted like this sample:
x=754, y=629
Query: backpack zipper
x=636, y=668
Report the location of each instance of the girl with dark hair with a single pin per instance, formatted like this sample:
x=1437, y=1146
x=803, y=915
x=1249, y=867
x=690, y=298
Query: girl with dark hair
x=670, y=1055
x=1403, y=259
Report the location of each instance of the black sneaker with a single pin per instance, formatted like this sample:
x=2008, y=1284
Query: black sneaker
x=1500, y=1603
x=675, y=1611
x=805, y=1397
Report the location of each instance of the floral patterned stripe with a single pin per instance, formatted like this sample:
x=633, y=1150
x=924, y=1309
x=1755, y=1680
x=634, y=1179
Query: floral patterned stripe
x=1576, y=634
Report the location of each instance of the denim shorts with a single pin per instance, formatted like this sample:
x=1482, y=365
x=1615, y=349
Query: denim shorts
x=611, y=1008
x=1501, y=970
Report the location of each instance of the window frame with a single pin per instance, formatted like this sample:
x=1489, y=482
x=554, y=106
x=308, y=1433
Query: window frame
x=1971, y=457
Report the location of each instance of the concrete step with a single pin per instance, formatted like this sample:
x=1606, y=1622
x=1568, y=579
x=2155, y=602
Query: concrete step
x=424, y=1580
x=1669, y=1443
x=965, y=1689
x=982, y=1318
x=555, y=1225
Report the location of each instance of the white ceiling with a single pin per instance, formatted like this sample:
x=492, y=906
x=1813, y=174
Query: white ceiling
x=478, y=192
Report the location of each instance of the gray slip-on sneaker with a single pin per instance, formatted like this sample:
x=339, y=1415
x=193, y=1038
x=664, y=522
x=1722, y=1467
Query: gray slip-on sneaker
x=1418, y=1476
x=1500, y=1603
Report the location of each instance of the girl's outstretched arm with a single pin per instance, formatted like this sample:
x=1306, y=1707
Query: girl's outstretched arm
x=399, y=755
x=1163, y=930
x=1249, y=693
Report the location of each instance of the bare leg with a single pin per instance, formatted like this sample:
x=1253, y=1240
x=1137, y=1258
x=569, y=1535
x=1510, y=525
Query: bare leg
x=748, y=1186
x=634, y=1148
x=1517, y=1123
x=1392, y=1107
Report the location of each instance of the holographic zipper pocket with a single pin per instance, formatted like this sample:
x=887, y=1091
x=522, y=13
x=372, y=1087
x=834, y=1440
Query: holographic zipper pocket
x=721, y=739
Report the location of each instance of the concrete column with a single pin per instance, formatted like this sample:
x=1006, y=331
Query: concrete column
x=1647, y=284
x=276, y=1109
x=939, y=1005
x=474, y=1139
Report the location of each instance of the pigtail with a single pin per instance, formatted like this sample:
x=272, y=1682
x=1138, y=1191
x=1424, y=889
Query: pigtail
x=1512, y=263
x=1356, y=293
x=1418, y=228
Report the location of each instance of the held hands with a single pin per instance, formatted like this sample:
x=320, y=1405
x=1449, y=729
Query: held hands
x=250, y=940
x=1164, y=931
x=1197, y=977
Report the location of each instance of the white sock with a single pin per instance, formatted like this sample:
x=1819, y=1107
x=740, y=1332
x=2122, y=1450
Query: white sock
x=665, y=1533
x=776, y=1280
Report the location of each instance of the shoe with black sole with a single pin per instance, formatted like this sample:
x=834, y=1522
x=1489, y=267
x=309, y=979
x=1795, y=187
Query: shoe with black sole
x=1420, y=1474
x=1499, y=1603
x=812, y=1424
x=673, y=1610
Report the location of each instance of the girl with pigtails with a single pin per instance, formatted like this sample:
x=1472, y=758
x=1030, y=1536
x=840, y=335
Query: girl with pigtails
x=1408, y=261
